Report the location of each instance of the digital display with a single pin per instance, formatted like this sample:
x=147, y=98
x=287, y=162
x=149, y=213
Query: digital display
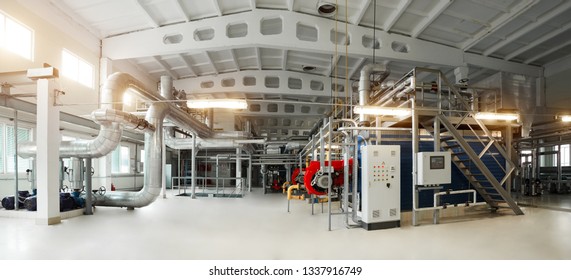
x=436, y=162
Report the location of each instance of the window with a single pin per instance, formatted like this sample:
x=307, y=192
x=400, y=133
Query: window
x=77, y=69
x=565, y=160
x=120, y=160
x=8, y=149
x=15, y=37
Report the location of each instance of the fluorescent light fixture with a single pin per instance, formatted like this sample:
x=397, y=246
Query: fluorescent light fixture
x=497, y=116
x=217, y=103
x=565, y=118
x=382, y=111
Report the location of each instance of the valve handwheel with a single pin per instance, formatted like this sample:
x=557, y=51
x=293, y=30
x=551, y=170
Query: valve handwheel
x=102, y=190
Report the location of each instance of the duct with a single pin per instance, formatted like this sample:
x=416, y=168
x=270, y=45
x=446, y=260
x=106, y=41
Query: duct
x=118, y=83
x=111, y=124
x=184, y=121
x=365, y=84
x=232, y=134
x=153, y=166
x=398, y=91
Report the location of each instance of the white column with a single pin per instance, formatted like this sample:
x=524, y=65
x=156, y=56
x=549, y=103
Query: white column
x=47, y=158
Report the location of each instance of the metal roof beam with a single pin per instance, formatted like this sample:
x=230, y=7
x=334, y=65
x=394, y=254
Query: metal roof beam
x=151, y=20
x=539, y=41
x=181, y=9
x=165, y=67
x=520, y=8
x=548, y=52
x=433, y=15
x=394, y=17
x=209, y=58
x=417, y=52
x=361, y=12
x=217, y=7
x=530, y=27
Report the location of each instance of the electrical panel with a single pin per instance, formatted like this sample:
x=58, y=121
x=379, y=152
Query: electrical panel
x=434, y=168
x=380, y=186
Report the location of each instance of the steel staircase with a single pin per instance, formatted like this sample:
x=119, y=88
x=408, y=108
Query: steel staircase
x=476, y=157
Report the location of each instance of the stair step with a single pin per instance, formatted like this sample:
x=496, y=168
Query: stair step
x=452, y=145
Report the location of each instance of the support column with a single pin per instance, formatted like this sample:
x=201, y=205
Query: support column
x=508, y=139
x=47, y=158
x=436, y=126
x=193, y=163
x=415, y=139
x=88, y=188
x=238, y=168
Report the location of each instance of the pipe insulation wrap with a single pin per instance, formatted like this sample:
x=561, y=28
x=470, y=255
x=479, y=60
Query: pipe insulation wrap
x=153, y=166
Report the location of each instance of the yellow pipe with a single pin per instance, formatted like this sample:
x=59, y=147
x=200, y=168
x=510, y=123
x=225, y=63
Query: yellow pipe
x=290, y=189
x=285, y=186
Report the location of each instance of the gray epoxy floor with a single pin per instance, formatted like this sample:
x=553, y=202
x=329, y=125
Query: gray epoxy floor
x=258, y=227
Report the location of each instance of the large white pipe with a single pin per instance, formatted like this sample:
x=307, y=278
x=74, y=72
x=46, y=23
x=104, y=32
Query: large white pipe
x=111, y=124
x=153, y=169
x=365, y=84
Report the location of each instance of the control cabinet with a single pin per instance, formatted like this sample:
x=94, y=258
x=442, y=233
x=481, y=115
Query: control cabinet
x=434, y=168
x=380, y=186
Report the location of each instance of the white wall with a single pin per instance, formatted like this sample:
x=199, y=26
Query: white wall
x=48, y=45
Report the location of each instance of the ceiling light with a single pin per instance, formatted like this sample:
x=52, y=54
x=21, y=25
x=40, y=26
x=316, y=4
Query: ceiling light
x=382, y=111
x=497, y=116
x=326, y=9
x=565, y=118
x=217, y=103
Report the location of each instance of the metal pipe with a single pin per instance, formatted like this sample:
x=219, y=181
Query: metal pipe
x=365, y=84
x=16, y=176
x=374, y=128
x=153, y=166
x=437, y=194
x=193, y=163
x=111, y=124
x=238, y=168
x=88, y=188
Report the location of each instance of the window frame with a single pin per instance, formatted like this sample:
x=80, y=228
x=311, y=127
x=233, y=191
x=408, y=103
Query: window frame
x=78, y=62
x=4, y=17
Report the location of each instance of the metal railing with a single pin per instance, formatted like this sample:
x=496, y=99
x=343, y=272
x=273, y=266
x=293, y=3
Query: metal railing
x=222, y=186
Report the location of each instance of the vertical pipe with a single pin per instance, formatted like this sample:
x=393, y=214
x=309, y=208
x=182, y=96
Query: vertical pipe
x=179, y=170
x=250, y=174
x=415, y=139
x=16, y=177
x=355, y=199
x=436, y=126
x=238, y=169
x=508, y=139
x=88, y=188
x=167, y=93
x=217, y=173
x=330, y=128
x=210, y=118
x=193, y=163
x=346, y=149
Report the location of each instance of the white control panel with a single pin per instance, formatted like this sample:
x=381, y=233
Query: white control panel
x=434, y=168
x=380, y=183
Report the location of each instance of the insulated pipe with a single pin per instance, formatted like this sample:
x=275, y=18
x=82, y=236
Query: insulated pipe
x=153, y=166
x=399, y=90
x=365, y=84
x=112, y=123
